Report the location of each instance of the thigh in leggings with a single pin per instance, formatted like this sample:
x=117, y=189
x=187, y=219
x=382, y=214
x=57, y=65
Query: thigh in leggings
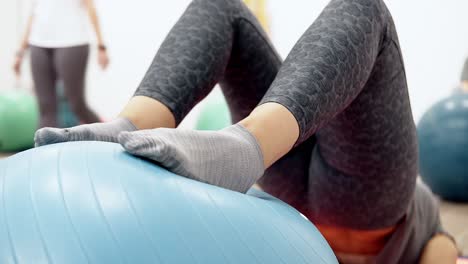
x=44, y=77
x=344, y=82
x=220, y=41
x=215, y=41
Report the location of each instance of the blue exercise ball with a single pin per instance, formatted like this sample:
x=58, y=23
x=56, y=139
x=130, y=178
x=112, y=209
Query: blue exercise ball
x=91, y=202
x=65, y=115
x=443, y=148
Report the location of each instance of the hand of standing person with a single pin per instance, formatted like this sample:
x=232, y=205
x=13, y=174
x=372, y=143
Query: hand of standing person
x=23, y=47
x=17, y=63
x=103, y=58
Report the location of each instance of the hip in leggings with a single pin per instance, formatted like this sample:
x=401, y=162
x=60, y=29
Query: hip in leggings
x=355, y=162
x=68, y=65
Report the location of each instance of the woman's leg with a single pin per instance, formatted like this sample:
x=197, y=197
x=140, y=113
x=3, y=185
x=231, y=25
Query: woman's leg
x=345, y=81
x=44, y=76
x=213, y=41
x=70, y=64
x=244, y=78
x=274, y=124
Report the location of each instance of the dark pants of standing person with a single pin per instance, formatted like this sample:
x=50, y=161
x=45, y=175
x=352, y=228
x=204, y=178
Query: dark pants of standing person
x=69, y=65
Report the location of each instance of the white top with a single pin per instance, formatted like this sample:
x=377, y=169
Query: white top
x=59, y=23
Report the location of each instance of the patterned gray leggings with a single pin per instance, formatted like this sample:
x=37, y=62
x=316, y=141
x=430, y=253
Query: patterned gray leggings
x=69, y=65
x=355, y=163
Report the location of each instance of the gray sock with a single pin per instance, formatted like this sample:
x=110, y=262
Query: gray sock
x=230, y=158
x=92, y=132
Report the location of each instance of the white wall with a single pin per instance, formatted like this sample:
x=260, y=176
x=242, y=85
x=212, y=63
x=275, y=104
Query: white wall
x=433, y=36
x=434, y=39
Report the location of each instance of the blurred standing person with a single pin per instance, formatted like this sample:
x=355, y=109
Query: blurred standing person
x=58, y=39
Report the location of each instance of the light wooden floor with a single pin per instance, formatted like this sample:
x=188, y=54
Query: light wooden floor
x=454, y=219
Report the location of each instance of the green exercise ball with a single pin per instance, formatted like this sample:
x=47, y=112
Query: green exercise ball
x=214, y=114
x=18, y=120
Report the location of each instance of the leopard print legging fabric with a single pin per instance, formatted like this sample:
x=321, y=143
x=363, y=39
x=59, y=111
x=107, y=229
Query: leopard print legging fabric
x=355, y=162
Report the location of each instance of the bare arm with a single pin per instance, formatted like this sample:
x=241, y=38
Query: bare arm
x=90, y=7
x=439, y=250
x=103, y=59
x=23, y=45
x=24, y=42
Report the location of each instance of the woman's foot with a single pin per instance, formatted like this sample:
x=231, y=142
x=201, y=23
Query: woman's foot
x=230, y=158
x=92, y=132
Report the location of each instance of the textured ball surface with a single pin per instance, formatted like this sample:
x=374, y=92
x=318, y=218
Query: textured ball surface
x=90, y=202
x=443, y=148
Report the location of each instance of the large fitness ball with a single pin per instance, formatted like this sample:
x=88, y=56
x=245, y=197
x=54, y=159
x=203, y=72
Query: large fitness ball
x=443, y=148
x=18, y=120
x=91, y=202
x=214, y=114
